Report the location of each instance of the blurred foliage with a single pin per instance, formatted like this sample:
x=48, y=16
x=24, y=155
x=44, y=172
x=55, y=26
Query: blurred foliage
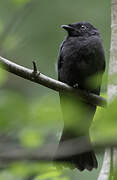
x=106, y=130
x=38, y=171
x=93, y=82
x=30, y=115
x=3, y=76
x=20, y=2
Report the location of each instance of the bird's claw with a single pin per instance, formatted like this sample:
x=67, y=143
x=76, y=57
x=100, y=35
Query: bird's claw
x=75, y=85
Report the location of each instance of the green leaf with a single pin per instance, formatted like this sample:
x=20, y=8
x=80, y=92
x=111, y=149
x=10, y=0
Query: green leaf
x=31, y=138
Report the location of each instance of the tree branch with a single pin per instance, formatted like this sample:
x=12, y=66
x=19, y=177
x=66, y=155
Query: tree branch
x=109, y=166
x=105, y=171
x=12, y=152
x=37, y=77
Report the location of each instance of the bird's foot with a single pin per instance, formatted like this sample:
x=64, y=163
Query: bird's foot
x=75, y=86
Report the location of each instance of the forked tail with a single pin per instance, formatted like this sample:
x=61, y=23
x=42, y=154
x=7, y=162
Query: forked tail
x=86, y=160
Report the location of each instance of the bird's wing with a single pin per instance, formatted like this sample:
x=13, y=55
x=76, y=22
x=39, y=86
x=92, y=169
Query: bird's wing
x=60, y=58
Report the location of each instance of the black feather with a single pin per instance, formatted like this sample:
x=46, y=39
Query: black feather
x=81, y=57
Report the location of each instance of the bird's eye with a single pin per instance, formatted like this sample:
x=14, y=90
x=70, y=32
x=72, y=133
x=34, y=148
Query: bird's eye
x=83, y=27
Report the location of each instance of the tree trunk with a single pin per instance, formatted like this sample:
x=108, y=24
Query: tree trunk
x=110, y=159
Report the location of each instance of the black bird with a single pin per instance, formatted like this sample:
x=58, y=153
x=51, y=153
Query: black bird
x=81, y=59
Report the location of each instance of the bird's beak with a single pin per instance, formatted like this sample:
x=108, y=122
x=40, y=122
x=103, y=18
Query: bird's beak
x=67, y=27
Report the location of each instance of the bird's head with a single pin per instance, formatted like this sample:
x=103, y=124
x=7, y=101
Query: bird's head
x=80, y=29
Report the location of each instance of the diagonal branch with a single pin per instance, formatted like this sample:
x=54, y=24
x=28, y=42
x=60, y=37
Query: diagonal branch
x=49, y=82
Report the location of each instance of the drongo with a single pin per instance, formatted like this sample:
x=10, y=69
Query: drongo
x=81, y=64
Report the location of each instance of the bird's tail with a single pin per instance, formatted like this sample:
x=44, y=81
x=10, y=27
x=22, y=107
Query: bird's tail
x=86, y=160
x=83, y=161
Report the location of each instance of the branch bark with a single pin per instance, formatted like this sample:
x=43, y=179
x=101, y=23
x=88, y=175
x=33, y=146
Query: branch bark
x=106, y=166
x=37, y=77
x=10, y=152
x=112, y=88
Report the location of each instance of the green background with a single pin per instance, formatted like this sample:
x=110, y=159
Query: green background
x=30, y=30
